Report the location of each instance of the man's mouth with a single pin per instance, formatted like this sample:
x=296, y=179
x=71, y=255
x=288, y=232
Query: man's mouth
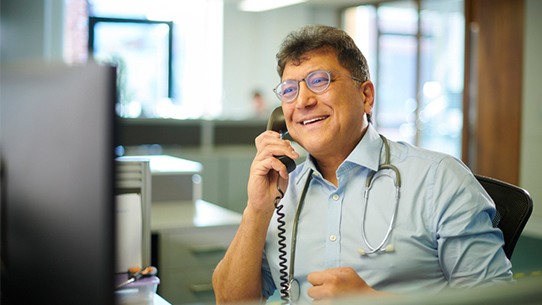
x=314, y=120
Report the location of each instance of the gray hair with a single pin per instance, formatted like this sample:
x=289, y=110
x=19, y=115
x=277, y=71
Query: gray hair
x=311, y=38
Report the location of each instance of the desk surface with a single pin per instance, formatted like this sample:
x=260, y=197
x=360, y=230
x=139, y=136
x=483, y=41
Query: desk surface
x=158, y=300
x=167, y=165
x=173, y=215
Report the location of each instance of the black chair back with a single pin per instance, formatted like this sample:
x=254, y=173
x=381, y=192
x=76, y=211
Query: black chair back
x=514, y=207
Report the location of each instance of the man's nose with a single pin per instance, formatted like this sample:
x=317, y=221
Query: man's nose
x=305, y=97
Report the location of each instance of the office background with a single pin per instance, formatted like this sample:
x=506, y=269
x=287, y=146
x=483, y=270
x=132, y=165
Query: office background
x=34, y=32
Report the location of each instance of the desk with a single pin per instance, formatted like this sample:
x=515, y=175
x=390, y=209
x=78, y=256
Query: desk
x=192, y=238
x=158, y=300
x=172, y=178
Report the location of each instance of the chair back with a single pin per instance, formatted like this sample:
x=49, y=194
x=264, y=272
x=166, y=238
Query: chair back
x=514, y=207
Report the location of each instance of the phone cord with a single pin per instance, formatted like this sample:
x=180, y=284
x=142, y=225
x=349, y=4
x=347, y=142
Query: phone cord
x=284, y=277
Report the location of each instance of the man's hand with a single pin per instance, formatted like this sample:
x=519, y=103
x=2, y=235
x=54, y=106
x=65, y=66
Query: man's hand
x=238, y=278
x=265, y=169
x=337, y=282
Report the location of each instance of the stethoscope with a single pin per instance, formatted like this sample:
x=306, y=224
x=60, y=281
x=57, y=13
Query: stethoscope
x=293, y=290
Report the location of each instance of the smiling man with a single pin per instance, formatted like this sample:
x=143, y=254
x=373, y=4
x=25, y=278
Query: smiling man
x=363, y=215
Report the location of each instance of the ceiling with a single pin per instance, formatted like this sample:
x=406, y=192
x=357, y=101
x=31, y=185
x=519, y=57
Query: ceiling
x=337, y=3
x=343, y=2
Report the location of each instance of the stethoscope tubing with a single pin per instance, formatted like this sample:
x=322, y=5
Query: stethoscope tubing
x=369, y=183
x=294, y=229
x=370, y=179
x=379, y=248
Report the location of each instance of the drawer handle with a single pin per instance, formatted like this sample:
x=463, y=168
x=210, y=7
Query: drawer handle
x=201, y=288
x=207, y=249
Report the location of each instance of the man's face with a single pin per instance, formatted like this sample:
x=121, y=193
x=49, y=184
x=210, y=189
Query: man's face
x=331, y=123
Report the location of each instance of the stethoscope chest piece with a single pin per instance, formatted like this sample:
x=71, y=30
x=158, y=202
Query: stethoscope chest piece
x=293, y=291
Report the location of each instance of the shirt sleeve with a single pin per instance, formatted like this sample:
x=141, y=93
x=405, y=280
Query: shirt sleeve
x=469, y=248
x=268, y=284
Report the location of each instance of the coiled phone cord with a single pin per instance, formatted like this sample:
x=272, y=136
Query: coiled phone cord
x=282, y=246
x=285, y=277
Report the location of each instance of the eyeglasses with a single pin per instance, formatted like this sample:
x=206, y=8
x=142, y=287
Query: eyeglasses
x=317, y=81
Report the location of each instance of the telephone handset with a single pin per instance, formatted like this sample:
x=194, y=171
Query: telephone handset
x=278, y=124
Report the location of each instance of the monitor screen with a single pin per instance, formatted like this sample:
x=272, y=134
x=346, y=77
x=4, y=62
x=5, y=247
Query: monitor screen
x=57, y=139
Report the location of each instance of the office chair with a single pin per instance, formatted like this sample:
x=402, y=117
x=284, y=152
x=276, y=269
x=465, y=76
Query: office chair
x=514, y=207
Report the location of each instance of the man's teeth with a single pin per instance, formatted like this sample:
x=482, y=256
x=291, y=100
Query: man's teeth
x=313, y=120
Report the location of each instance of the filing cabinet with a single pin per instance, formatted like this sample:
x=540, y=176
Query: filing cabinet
x=173, y=179
x=192, y=238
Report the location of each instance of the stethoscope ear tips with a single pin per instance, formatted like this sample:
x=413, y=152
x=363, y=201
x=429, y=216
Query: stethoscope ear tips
x=388, y=248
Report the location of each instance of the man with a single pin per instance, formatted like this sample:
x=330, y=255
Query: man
x=435, y=234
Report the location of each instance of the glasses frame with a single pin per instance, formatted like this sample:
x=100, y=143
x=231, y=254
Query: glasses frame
x=328, y=72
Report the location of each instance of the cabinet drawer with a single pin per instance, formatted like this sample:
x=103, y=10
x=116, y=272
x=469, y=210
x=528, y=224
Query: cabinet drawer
x=188, y=287
x=195, y=248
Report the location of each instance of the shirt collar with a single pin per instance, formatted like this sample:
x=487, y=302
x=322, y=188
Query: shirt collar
x=307, y=166
x=365, y=154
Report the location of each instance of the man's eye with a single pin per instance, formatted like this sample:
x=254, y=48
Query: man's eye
x=318, y=81
x=288, y=89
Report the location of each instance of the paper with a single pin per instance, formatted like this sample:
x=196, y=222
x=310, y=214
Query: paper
x=128, y=232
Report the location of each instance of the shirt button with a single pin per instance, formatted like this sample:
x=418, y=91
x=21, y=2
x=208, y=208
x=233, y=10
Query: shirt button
x=333, y=238
x=335, y=197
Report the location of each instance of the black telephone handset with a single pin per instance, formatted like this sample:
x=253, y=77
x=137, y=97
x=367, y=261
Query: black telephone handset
x=278, y=124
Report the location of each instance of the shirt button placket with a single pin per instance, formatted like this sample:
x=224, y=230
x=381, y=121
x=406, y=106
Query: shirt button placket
x=335, y=197
x=333, y=245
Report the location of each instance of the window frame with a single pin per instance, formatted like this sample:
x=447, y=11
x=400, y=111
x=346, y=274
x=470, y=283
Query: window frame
x=93, y=20
x=419, y=37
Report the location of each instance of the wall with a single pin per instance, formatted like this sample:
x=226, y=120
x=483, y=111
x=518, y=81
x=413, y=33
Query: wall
x=39, y=22
x=531, y=140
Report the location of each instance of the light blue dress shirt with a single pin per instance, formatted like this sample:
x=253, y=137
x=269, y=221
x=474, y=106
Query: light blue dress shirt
x=443, y=236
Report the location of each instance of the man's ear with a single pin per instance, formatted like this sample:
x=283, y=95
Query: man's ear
x=368, y=92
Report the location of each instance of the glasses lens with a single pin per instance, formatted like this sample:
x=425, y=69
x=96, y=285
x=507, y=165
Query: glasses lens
x=287, y=91
x=318, y=81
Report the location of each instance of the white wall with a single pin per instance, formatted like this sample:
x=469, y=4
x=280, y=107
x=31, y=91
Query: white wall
x=251, y=41
x=31, y=30
x=531, y=140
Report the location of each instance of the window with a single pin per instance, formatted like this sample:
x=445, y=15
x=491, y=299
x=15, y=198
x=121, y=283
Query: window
x=415, y=51
x=141, y=50
x=169, y=54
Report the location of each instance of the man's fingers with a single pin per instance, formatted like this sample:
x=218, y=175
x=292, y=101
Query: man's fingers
x=319, y=289
x=270, y=144
x=316, y=292
x=334, y=282
x=316, y=278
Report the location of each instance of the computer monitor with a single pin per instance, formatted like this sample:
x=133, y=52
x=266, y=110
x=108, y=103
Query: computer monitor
x=57, y=139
